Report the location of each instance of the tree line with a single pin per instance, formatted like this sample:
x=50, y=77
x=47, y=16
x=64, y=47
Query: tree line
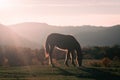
x=99, y=52
x=21, y=56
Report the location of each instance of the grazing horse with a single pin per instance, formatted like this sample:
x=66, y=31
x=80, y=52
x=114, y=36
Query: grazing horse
x=66, y=42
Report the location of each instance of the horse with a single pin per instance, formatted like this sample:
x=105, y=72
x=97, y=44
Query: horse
x=66, y=42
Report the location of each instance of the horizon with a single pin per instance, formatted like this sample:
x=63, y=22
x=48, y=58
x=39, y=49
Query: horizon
x=60, y=12
x=10, y=25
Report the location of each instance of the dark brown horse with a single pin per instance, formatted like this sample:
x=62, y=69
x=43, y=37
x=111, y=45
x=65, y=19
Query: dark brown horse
x=67, y=42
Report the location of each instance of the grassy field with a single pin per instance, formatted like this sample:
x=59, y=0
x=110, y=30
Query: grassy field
x=45, y=72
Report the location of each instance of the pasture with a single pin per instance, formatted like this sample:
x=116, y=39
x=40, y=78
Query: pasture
x=60, y=72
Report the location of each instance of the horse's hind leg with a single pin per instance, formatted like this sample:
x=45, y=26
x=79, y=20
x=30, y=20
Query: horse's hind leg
x=67, y=57
x=73, y=55
x=50, y=57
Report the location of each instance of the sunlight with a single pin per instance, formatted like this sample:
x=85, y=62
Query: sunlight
x=5, y=4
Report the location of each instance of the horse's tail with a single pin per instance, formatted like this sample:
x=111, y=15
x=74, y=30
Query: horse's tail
x=47, y=49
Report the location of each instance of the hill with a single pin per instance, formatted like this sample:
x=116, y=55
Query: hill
x=86, y=35
x=11, y=38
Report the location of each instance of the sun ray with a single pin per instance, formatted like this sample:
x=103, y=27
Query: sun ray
x=5, y=4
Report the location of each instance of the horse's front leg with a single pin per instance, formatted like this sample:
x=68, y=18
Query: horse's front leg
x=67, y=58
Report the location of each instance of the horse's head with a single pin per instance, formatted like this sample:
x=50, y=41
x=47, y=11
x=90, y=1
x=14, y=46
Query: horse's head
x=79, y=56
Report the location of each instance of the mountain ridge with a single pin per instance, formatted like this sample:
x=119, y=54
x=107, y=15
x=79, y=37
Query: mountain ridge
x=87, y=35
x=11, y=38
x=34, y=34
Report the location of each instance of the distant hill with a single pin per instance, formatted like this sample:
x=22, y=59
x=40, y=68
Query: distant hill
x=86, y=35
x=11, y=38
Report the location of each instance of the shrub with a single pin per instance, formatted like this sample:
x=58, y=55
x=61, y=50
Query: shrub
x=106, y=62
x=96, y=64
x=115, y=64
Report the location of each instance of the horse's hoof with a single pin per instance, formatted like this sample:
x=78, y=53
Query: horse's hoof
x=67, y=65
x=80, y=67
x=73, y=64
x=53, y=66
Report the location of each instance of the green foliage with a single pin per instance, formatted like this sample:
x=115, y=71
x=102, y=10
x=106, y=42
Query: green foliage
x=115, y=64
x=96, y=64
x=19, y=56
x=99, y=52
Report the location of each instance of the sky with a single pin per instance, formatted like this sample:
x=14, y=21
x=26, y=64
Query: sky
x=61, y=12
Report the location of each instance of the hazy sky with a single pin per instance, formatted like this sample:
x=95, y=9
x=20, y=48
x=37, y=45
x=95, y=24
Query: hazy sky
x=61, y=12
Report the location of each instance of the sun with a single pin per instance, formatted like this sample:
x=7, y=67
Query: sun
x=5, y=3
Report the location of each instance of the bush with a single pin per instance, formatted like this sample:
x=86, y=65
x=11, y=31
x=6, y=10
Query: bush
x=96, y=64
x=106, y=62
x=115, y=64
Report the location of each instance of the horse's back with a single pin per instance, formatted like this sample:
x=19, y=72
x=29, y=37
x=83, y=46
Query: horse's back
x=60, y=37
x=62, y=40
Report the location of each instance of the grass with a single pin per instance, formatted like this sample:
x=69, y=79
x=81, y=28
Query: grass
x=45, y=72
